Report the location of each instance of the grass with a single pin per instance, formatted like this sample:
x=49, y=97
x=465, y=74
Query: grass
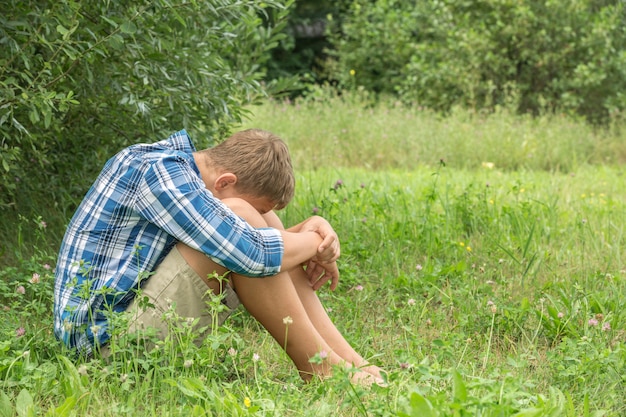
x=484, y=290
x=351, y=131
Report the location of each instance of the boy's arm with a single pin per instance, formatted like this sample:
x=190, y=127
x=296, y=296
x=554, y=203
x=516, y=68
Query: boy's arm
x=171, y=196
x=302, y=247
x=301, y=243
x=329, y=249
x=322, y=266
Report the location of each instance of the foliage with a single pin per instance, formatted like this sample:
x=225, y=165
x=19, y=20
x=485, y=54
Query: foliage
x=477, y=300
x=373, y=42
x=537, y=56
x=513, y=403
x=494, y=282
x=352, y=130
x=301, y=52
x=79, y=80
x=482, y=289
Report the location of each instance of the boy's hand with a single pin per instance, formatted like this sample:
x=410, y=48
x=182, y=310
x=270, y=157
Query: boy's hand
x=329, y=250
x=321, y=272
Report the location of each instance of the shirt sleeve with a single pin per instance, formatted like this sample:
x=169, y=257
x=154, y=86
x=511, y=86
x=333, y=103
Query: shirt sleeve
x=172, y=196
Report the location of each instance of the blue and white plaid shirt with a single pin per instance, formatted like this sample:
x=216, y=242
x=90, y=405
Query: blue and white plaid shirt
x=147, y=198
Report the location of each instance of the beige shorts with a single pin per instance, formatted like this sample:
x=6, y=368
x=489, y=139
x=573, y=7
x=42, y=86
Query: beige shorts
x=176, y=286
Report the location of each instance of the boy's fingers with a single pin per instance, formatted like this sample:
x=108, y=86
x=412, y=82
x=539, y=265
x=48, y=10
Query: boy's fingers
x=314, y=271
x=329, y=250
x=321, y=281
x=320, y=274
x=335, y=281
x=324, y=279
x=328, y=241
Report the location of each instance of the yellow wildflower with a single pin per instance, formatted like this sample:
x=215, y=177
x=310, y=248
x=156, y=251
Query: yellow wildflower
x=247, y=402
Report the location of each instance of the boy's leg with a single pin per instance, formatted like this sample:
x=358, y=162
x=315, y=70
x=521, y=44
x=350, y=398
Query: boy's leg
x=175, y=285
x=324, y=325
x=317, y=313
x=275, y=303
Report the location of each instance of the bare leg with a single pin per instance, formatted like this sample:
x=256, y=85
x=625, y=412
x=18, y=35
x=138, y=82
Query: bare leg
x=271, y=300
x=318, y=316
x=324, y=325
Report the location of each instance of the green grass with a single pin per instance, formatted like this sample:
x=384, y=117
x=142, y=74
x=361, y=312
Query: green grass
x=349, y=131
x=483, y=291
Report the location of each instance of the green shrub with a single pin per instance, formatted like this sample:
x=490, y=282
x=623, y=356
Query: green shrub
x=79, y=80
x=535, y=56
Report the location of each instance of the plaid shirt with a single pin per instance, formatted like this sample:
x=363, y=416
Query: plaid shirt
x=146, y=199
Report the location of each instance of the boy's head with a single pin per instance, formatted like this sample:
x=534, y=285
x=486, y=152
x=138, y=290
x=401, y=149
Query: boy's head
x=261, y=162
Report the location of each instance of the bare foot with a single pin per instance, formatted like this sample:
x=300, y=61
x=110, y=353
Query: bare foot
x=372, y=369
x=367, y=379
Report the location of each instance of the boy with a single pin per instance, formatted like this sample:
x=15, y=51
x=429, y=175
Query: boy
x=164, y=218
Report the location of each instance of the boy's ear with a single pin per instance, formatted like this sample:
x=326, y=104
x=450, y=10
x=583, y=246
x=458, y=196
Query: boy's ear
x=225, y=180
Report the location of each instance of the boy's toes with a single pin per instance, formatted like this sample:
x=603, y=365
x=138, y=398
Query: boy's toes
x=366, y=379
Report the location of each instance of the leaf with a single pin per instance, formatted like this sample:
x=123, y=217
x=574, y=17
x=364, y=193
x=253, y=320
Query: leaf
x=24, y=404
x=72, y=381
x=191, y=387
x=64, y=409
x=420, y=406
x=553, y=312
x=109, y=21
x=198, y=411
x=47, y=119
x=33, y=115
x=70, y=52
x=460, y=391
x=128, y=27
x=530, y=412
x=6, y=409
x=116, y=41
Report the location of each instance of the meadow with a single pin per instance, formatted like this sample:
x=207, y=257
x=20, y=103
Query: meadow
x=482, y=267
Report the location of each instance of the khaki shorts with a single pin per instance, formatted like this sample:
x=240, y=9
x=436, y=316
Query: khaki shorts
x=176, y=286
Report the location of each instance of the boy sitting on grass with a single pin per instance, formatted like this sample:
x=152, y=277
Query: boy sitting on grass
x=165, y=218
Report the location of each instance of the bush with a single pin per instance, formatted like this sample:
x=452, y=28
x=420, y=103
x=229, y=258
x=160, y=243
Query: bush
x=79, y=80
x=537, y=56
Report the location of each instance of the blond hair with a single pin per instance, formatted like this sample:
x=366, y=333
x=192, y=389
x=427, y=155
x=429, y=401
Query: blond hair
x=261, y=162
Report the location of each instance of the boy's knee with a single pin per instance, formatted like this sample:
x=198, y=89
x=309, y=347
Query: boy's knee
x=272, y=220
x=246, y=211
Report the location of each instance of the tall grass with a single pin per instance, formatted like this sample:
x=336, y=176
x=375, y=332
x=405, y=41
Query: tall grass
x=482, y=289
x=327, y=130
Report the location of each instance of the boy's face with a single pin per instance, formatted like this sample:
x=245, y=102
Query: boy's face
x=261, y=204
x=224, y=185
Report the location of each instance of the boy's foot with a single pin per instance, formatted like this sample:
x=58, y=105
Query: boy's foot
x=367, y=379
x=372, y=369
